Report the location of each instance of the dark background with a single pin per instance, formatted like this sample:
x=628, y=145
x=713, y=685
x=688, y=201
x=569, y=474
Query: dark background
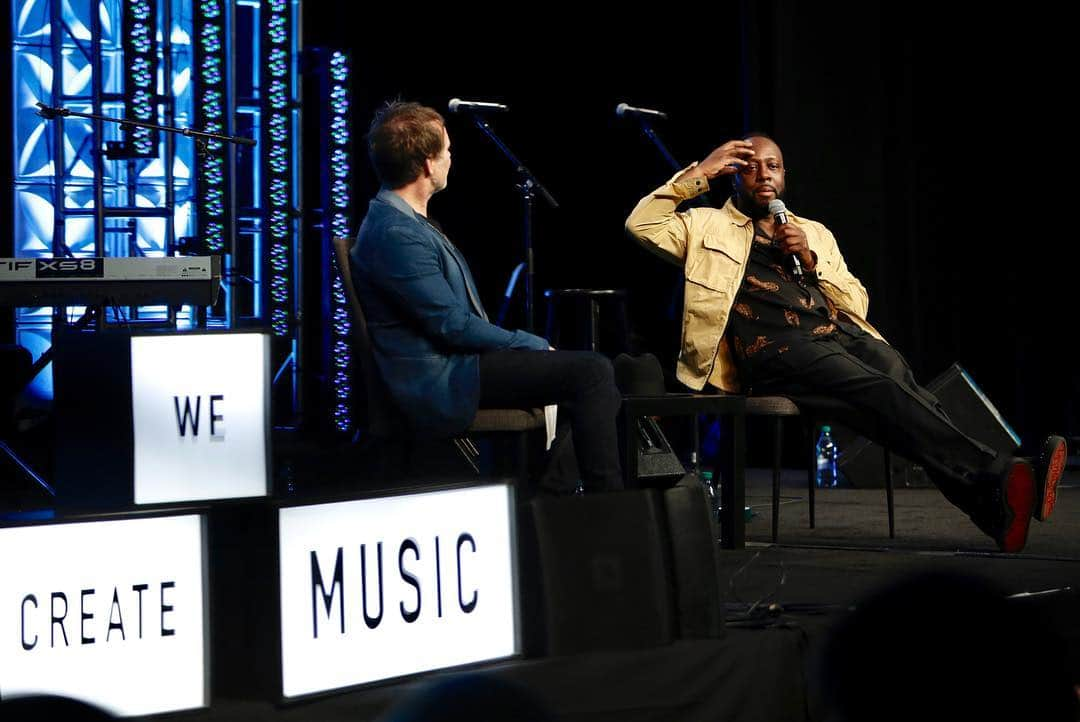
x=933, y=142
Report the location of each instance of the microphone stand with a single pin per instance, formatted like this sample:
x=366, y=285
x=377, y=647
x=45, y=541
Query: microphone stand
x=528, y=187
x=647, y=129
x=650, y=133
x=200, y=137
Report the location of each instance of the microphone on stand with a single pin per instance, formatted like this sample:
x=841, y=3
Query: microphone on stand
x=49, y=113
x=623, y=109
x=457, y=105
x=779, y=211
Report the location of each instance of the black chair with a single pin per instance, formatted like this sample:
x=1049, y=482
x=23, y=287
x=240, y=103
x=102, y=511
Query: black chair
x=780, y=408
x=382, y=420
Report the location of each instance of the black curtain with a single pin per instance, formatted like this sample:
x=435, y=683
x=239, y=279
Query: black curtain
x=928, y=142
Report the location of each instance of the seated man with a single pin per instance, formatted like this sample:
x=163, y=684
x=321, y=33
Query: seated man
x=771, y=306
x=436, y=351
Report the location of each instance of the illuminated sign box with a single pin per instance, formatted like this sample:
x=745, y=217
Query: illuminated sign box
x=112, y=613
x=386, y=587
x=200, y=409
x=161, y=417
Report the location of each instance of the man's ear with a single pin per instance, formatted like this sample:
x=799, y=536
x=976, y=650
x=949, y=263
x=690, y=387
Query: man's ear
x=429, y=168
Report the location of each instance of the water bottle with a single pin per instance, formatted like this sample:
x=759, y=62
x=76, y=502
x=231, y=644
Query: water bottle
x=827, y=474
x=712, y=494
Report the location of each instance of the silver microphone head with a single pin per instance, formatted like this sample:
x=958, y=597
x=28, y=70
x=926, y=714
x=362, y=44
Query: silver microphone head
x=623, y=109
x=777, y=206
x=457, y=105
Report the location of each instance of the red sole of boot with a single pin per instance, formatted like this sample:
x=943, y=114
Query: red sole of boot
x=1020, y=497
x=1054, y=470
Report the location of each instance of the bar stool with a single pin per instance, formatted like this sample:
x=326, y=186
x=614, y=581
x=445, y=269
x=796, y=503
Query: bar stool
x=584, y=305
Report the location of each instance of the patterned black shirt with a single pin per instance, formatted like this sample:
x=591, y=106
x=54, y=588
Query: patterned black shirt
x=772, y=311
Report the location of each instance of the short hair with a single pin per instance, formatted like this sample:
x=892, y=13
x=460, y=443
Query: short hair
x=748, y=136
x=759, y=134
x=402, y=136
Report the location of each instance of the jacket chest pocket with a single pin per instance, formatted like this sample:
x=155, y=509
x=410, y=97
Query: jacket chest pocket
x=714, y=266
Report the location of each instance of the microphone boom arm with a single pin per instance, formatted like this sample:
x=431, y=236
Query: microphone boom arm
x=650, y=133
x=528, y=178
x=199, y=136
x=647, y=129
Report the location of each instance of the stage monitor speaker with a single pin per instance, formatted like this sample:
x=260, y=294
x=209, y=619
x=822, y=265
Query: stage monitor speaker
x=657, y=463
x=695, y=555
x=965, y=403
x=642, y=375
x=605, y=578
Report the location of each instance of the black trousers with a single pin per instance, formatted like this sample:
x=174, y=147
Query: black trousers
x=582, y=383
x=864, y=383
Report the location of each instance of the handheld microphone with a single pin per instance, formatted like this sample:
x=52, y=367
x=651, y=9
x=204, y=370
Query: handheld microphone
x=457, y=105
x=623, y=109
x=779, y=211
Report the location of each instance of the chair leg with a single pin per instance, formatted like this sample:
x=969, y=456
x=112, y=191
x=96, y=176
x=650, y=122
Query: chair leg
x=889, y=492
x=778, y=445
x=523, y=458
x=468, y=452
x=695, y=435
x=811, y=474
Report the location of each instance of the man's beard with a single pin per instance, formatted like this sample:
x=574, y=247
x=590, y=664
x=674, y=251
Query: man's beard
x=749, y=205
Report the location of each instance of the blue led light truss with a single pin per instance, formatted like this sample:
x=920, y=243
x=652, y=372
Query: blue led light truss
x=140, y=59
x=337, y=199
x=226, y=66
x=278, y=163
x=113, y=59
x=212, y=115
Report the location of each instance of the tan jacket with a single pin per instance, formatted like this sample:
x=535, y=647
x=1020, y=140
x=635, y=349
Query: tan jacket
x=713, y=246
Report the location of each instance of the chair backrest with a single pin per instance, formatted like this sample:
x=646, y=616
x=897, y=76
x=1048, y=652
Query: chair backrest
x=341, y=255
x=381, y=418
